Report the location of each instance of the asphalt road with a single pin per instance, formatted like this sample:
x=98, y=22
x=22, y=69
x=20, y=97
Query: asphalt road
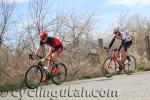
x=120, y=87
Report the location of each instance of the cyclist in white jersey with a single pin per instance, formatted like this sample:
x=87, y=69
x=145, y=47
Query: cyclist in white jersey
x=126, y=42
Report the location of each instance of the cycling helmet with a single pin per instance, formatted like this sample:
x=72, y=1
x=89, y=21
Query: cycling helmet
x=116, y=30
x=43, y=35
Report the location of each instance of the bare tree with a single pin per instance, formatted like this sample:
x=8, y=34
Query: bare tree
x=36, y=23
x=6, y=10
x=78, y=29
x=38, y=12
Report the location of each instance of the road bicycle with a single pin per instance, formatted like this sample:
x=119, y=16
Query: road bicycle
x=35, y=73
x=112, y=64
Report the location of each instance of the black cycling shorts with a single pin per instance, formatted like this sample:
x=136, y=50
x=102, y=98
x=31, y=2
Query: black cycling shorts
x=126, y=45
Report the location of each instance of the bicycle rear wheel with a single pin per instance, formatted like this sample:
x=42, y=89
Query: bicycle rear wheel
x=130, y=66
x=33, y=77
x=108, y=67
x=61, y=75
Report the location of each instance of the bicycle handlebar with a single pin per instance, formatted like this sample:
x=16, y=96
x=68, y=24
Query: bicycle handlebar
x=107, y=50
x=32, y=56
x=111, y=51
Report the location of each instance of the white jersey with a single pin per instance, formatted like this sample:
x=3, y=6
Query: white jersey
x=126, y=36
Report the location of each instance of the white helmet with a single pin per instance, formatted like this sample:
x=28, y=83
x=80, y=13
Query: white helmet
x=116, y=30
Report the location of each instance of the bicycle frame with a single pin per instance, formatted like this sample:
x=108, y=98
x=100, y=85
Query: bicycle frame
x=41, y=65
x=114, y=58
x=38, y=69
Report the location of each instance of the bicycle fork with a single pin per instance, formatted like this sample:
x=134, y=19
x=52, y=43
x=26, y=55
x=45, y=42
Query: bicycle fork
x=110, y=64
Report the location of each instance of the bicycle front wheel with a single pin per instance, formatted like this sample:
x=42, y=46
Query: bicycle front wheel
x=109, y=67
x=61, y=74
x=33, y=77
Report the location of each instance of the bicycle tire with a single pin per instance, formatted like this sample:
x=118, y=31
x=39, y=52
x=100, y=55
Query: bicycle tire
x=106, y=74
x=26, y=77
x=126, y=68
x=58, y=82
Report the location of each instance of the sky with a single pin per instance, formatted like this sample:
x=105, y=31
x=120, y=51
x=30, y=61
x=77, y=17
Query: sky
x=106, y=11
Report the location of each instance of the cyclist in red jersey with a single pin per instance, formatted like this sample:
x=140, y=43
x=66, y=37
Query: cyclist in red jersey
x=55, y=47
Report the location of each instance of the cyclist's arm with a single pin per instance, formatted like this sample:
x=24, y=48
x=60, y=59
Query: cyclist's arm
x=122, y=43
x=37, y=50
x=120, y=48
x=112, y=42
x=49, y=53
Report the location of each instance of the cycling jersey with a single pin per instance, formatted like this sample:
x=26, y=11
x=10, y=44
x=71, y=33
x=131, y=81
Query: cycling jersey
x=55, y=43
x=126, y=37
x=52, y=41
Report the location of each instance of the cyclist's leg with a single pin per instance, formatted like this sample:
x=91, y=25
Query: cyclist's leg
x=49, y=62
x=127, y=45
x=123, y=54
x=125, y=48
x=57, y=53
x=121, y=49
x=46, y=78
x=54, y=56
